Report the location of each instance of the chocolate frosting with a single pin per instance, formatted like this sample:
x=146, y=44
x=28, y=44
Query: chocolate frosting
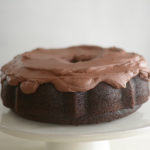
x=78, y=68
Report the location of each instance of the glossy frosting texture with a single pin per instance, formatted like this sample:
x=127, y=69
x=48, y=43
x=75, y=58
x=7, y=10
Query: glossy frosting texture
x=73, y=69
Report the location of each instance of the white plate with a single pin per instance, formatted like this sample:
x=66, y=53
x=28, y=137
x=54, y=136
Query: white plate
x=136, y=123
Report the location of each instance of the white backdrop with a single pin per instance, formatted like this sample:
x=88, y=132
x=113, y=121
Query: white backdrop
x=27, y=24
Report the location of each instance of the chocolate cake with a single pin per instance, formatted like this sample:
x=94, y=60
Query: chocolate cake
x=75, y=85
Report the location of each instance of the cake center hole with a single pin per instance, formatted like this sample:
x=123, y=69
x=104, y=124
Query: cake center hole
x=80, y=59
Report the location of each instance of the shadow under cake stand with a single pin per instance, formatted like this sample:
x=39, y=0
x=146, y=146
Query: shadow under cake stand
x=84, y=137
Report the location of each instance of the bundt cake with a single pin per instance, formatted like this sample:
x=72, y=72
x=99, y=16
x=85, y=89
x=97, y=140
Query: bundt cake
x=75, y=85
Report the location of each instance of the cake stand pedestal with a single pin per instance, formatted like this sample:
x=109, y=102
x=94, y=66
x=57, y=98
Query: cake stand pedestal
x=84, y=137
x=79, y=146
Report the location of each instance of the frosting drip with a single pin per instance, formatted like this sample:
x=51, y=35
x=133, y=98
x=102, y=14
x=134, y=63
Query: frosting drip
x=73, y=69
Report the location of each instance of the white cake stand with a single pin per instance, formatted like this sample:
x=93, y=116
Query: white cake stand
x=64, y=137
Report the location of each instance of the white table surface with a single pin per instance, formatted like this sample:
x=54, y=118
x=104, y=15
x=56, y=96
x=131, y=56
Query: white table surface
x=8, y=142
